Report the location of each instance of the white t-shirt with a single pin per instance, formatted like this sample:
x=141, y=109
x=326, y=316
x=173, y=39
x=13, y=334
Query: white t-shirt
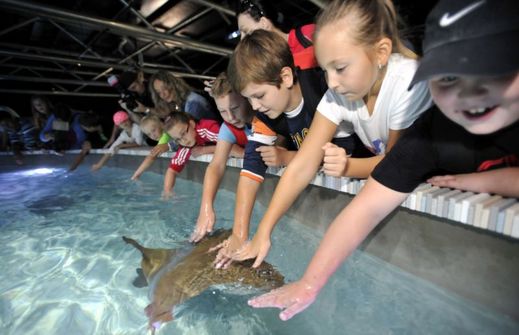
x=136, y=137
x=396, y=108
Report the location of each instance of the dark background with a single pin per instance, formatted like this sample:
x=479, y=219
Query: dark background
x=52, y=37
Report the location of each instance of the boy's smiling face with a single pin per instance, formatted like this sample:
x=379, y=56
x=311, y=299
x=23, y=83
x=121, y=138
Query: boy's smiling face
x=481, y=105
x=184, y=134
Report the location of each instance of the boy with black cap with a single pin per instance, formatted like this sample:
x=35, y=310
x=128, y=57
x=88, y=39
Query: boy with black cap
x=471, y=59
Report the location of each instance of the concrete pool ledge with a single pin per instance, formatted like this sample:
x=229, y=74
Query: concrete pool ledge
x=474, y=259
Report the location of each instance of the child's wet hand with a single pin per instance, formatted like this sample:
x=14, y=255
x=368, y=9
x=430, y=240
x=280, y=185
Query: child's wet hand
x=166, y=195
x=227, y=248
x=204, y=225
x=95, y=167
x=335, y=160
x=256, y=248
x=292, y=299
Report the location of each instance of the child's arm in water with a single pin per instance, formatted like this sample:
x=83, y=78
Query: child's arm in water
x=87, y=146
x=149, y=160
x=245, y=198
x=504, y=181
x=297, y=176
x=212, y=178
x=169, y=182
x=101, y=162
x=347, y=231
x=115, y=133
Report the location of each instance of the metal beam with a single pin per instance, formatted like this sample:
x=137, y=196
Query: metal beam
x=54, y=80
x=219, y=8
x=115, y=27
x=76, y=94
x=320, y=3
x=148, y=67
x=55, y=51
x=19, y=25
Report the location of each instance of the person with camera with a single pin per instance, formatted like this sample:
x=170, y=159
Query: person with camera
x=135, y=98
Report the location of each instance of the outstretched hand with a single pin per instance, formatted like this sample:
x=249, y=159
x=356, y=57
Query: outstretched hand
x=292, y=299
x=204, y=225
x=225, y=251
x=335, y=160
x=257, y=248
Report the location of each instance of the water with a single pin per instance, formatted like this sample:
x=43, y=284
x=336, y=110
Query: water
x=65, y=270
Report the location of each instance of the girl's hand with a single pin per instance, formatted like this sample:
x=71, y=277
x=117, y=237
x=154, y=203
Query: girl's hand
x=159, y=149
x=204, y=225
x=257, y=248
x=225, y=250
x=272, y=155
x=292, y=299
x=96, y=167
x=166, y=195
x=335, y=160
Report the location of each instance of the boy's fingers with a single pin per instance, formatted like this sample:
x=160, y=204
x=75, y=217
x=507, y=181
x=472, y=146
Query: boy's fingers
x=259, y=259
x=328, y=145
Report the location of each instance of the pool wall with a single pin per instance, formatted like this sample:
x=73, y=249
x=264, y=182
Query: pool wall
x=473, y=263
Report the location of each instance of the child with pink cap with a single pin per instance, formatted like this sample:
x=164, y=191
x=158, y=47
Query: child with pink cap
x=130, y=137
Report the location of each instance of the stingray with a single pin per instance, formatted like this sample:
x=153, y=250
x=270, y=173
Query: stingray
x=49, y=204
x=175, y=275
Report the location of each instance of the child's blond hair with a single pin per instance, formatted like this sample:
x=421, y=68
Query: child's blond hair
x=150, y=119
x=367, y=20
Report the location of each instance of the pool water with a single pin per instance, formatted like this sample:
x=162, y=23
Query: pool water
x=64, y=268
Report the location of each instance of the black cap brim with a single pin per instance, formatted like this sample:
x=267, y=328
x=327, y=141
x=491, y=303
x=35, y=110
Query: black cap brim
x=489, y=56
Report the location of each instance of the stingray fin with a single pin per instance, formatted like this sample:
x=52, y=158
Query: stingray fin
x=140, y=280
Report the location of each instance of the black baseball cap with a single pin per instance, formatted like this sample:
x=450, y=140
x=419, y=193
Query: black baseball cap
x=127, y=78
x=470, y=37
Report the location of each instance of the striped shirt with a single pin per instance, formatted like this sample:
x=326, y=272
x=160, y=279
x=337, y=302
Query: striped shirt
x=25, y=135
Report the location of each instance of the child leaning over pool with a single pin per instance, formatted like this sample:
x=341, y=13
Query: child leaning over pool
x=285, y=99
x=474, y=136
x=130, y=137
x=237, y=114
x=152, y=126
x=368, y=72
x=190, y=135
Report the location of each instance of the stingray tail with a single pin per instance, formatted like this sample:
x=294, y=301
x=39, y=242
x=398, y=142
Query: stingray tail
x=134, y=243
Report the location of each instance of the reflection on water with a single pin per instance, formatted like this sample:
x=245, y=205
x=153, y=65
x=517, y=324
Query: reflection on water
x=66, y=270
